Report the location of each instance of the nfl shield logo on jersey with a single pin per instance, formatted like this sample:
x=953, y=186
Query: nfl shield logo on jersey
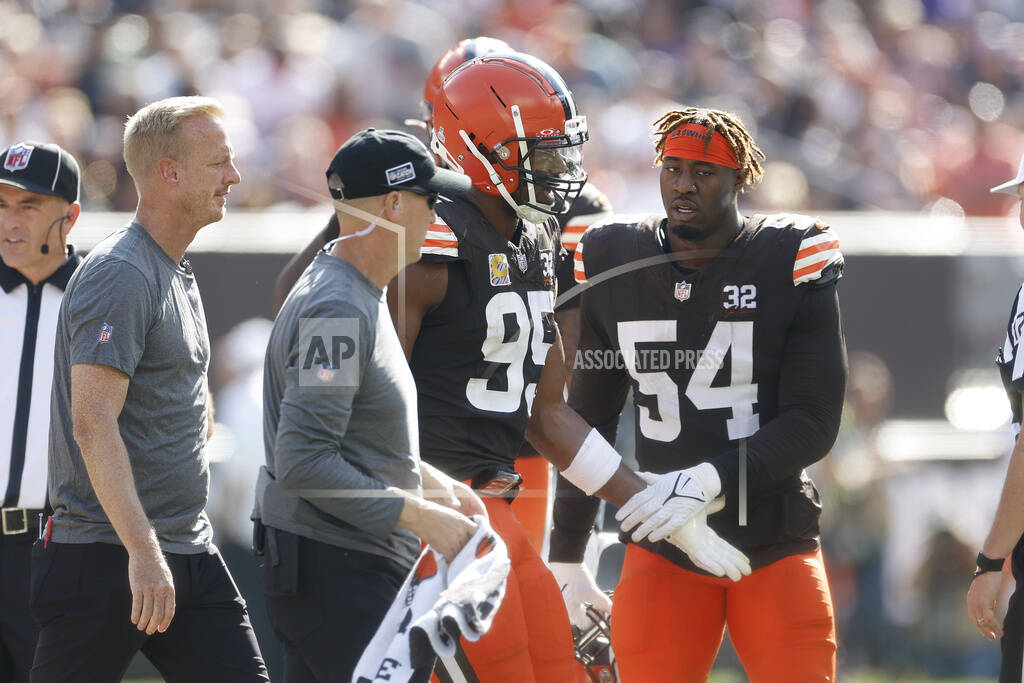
x=499, y=270
x=523, y=263
x=105, y=331
x=17, y=157
x=683, y=290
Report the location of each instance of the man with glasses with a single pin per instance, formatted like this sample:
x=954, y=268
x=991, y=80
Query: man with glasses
x=340, y=503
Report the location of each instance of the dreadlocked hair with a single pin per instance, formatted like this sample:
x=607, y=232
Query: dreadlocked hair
x=728, y=125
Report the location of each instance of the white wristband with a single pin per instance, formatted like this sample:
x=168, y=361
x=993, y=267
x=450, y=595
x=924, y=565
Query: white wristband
x=593, y=465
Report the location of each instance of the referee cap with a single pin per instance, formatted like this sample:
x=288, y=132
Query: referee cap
x=42, y=168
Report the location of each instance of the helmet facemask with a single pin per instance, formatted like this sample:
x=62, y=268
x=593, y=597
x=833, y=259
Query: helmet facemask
x=549, y=167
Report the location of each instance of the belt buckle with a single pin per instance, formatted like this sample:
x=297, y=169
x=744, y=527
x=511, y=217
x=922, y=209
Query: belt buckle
x=3, y=521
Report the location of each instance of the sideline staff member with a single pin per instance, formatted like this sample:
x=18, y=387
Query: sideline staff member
x=340, y=496
x=39, y=187
x=129, y=546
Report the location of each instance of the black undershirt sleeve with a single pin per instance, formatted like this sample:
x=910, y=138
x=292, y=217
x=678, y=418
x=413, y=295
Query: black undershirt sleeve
x=812, y=382
x=598, y=393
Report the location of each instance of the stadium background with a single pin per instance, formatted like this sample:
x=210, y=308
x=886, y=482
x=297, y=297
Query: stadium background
x=888, y=118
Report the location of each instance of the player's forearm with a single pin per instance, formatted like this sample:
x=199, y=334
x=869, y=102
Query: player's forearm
x=1009, y=521
x=573, y=518
x=110, y=472
x=558, y=433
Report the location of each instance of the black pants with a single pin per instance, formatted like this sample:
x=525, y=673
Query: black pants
x=82, y=601
x=18, y=632
x=325, y=604
x=1012, y=642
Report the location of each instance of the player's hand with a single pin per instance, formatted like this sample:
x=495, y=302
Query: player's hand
x=707, y=549
x=670, y=501
x=578, y=587
x=152, y=589
x=981, y=603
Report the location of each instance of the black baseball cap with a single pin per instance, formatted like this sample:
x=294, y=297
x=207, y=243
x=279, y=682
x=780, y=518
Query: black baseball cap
x=374, y=162
x=42, y=168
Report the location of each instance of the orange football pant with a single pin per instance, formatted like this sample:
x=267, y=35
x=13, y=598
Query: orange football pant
x=668, y=622
x=530, y=640
x=531, y=506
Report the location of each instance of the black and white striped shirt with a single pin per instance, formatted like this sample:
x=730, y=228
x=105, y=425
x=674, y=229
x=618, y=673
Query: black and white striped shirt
x=28, y=320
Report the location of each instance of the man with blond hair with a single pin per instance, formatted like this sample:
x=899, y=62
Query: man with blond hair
x=127, y=562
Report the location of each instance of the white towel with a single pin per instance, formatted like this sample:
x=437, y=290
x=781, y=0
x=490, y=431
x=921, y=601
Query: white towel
x=436, y=604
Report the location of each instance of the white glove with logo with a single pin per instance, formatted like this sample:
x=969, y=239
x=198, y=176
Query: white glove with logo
x=578, y=587
x=706, y=549
x=669, y=501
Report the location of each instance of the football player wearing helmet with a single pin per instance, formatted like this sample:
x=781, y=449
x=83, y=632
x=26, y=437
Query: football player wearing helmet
x=729, y=332
x=1005, y=538
x=531, y=506
x=477, y=322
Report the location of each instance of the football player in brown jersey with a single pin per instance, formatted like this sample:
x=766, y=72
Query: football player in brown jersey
x=484, y=349
x=727, y=328
x=532, y=504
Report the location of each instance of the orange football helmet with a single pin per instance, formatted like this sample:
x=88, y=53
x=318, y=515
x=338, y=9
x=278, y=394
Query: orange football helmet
x=510, y=123
x=467, y=49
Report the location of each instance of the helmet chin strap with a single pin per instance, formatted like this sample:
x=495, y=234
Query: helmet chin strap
x=524, y=151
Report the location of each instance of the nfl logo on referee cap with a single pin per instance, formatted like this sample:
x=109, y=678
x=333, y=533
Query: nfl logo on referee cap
x=17, y=157
x=683, y=290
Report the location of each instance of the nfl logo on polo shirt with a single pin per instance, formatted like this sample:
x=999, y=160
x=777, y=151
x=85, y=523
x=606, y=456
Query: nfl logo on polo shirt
x=325, y=373
x=683, y=291
x=105, y=331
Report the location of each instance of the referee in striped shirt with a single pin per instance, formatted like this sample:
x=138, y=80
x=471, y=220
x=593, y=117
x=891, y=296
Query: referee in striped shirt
x=39, y=186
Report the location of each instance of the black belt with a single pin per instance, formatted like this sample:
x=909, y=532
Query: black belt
x=497, y=483
x=19, y=521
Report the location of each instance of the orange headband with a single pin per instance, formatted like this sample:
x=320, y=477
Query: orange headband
x=688, y=142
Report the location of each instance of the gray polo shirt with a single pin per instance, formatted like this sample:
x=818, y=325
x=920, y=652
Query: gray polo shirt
x=339, y=421
x=130, y=307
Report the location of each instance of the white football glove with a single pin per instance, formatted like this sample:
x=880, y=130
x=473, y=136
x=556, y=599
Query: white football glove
x=707, y=549
x=578, y=586
x=669, y=501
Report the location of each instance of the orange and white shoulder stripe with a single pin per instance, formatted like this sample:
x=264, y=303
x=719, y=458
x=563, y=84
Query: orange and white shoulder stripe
x=578, y=225
x=578, y=273
x=816, y=253
x=440, y=241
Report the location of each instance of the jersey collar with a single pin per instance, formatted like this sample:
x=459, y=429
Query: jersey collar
x=11, y=278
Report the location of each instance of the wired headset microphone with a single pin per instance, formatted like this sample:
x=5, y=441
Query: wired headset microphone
x=45, y=249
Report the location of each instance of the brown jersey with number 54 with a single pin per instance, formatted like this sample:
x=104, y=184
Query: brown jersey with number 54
x=739, y=363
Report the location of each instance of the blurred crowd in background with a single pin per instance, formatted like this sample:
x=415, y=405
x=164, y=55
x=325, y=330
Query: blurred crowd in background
x=859, y=105
x=866, y=104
